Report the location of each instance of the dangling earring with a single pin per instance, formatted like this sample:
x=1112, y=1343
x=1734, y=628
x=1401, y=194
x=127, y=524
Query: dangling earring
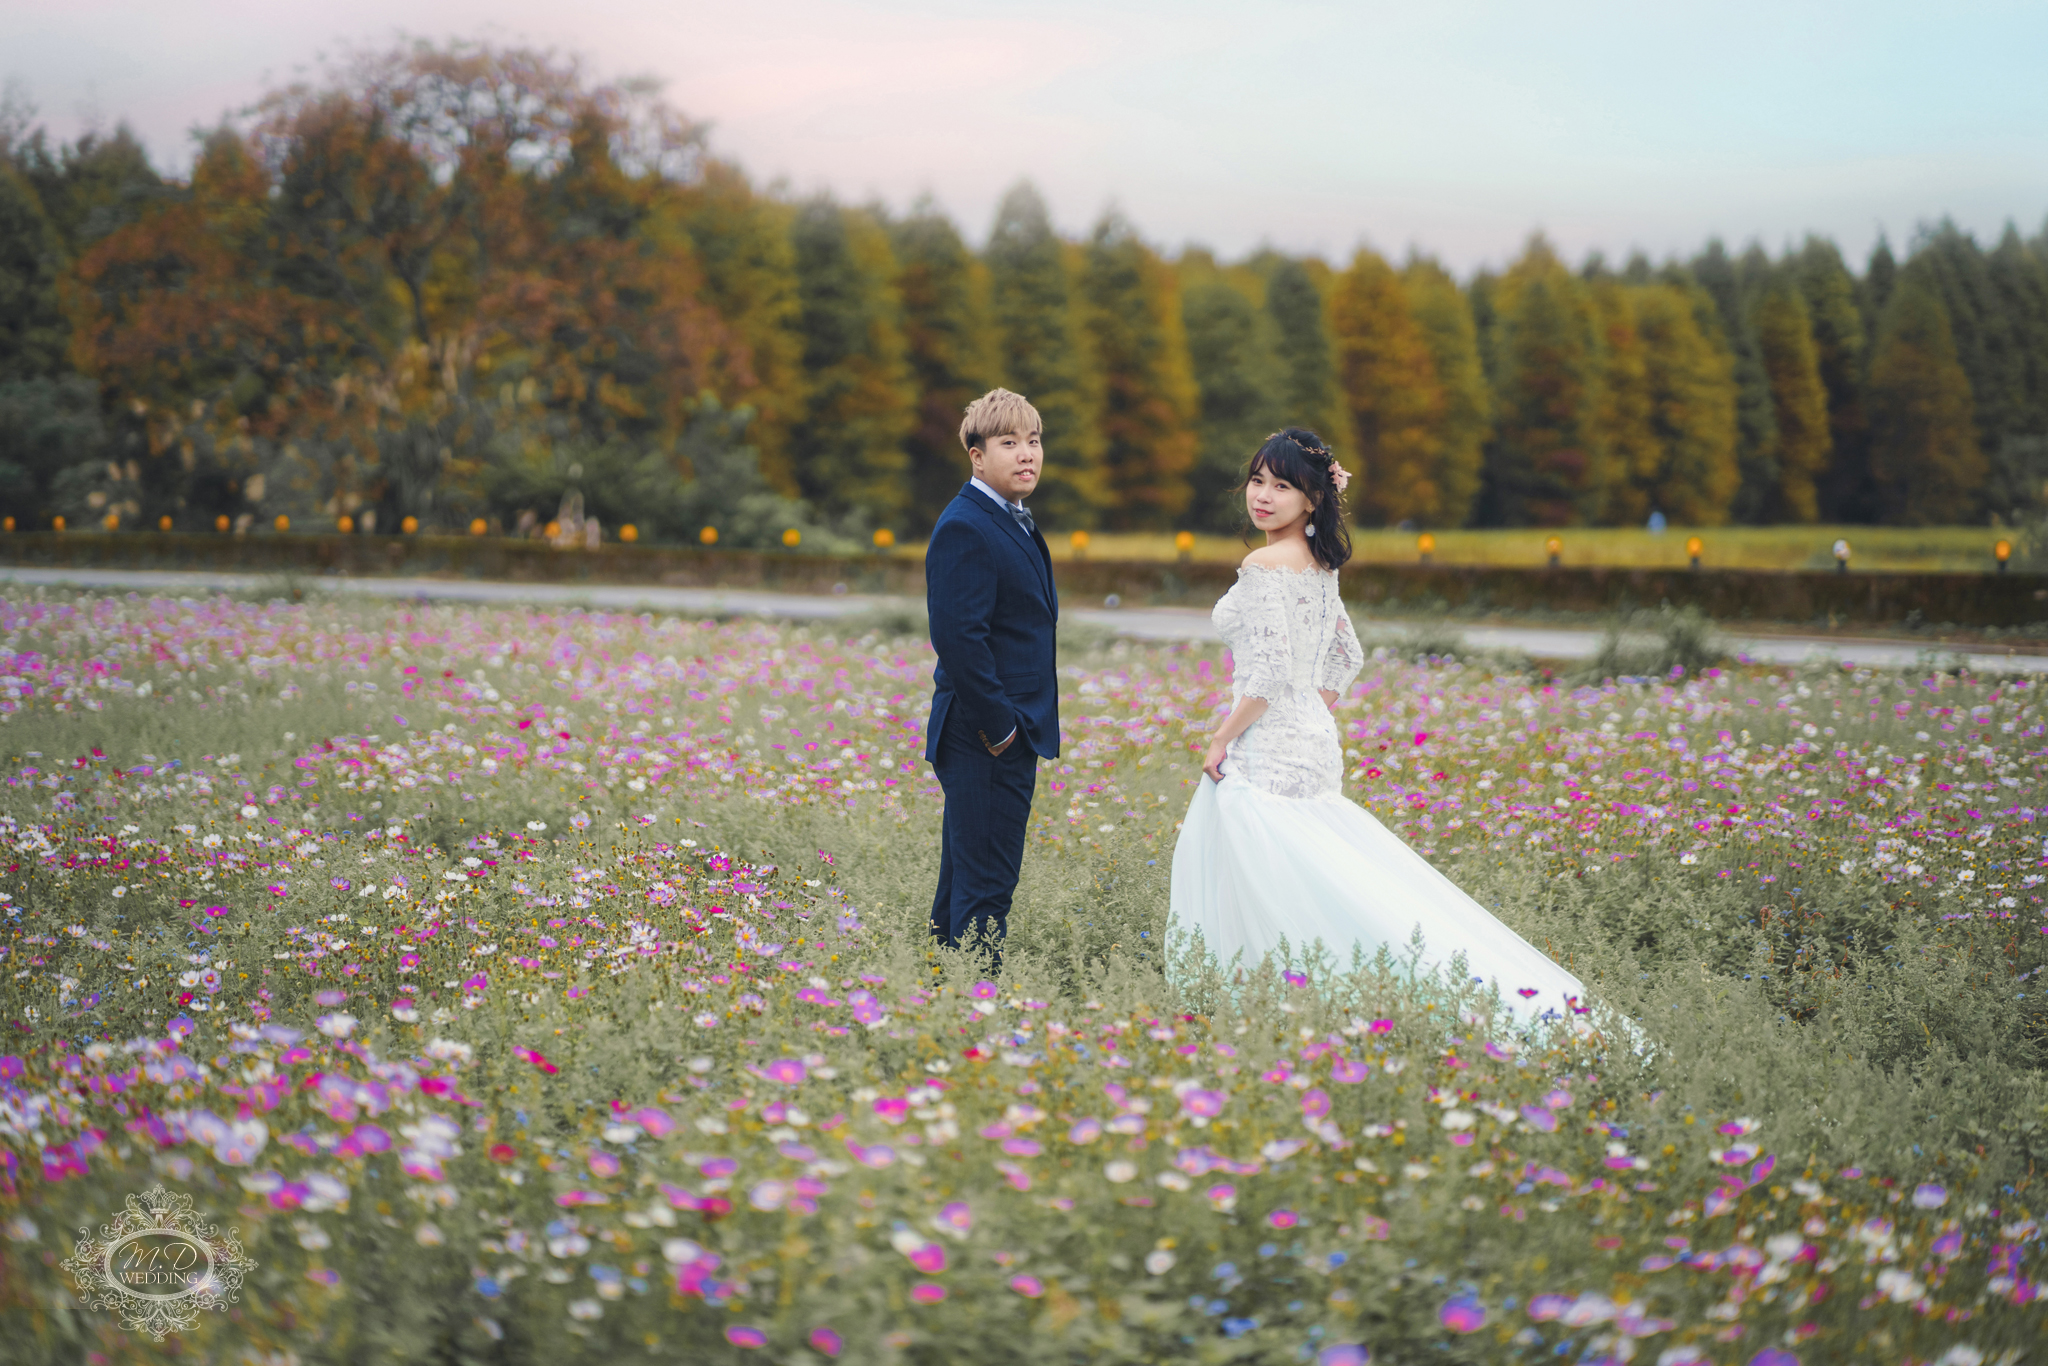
x=1311, y=529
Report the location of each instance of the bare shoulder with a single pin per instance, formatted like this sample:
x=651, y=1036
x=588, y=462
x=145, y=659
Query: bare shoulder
x=1293, y=557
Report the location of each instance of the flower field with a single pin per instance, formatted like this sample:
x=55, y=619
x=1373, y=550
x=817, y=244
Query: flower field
x=552, y=987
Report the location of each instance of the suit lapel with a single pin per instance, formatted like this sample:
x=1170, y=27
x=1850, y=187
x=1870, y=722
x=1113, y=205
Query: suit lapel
x=1032, y=544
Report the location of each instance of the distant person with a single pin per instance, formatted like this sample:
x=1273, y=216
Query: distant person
x=1657, y=522
x=995, y=708
x=1271, y=847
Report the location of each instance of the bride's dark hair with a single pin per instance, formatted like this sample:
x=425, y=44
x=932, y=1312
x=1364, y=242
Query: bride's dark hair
x=1297, y=456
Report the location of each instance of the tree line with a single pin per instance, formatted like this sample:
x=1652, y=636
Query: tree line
x=459, y=282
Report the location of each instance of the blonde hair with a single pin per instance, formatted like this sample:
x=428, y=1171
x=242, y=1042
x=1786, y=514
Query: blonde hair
x=998, y=413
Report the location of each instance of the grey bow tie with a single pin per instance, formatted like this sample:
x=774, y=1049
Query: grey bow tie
x=1023, y=516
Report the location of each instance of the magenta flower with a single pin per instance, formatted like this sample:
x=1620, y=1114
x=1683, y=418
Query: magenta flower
x=788, y=1071
x=927, y=1292
x=1222, y=1198
x=930, y=1258
x=957, y=1217
x=1540, y=1118
x=1030, y=1287
x=1382, y=1026
x=892, y=1109
x=1296, y=979
x=826, y=1342
x=1343, y=1354
x=1283, y=1218
x=984, y=991
x=603, y=1163
x=1315, y=1104
x=1349, y=1072
x=1202, y=1104
x=1021, y=1147
x=739, y=1335
x=1462, y=1314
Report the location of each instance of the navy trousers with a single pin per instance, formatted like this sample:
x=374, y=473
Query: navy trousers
x=981, y=848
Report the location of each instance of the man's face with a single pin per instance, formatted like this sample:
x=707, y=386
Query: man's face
x=1010, y=464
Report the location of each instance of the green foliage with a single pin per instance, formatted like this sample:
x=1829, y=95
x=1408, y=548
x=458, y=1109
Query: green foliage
x=1040, y=355
x=1444, y=317
x=1131, y=324
x=946, y=326
x=33, y=334
x=1799, y=402
x=1387, y=371
x=1730, y=286
x=1840, y=349
x=1236, y=372
x=860, y=405
x=1546, y=466
x=1923, y=441
x=1310, y=395
x=1664, y=643
x=1693, y=413
x=48, y=428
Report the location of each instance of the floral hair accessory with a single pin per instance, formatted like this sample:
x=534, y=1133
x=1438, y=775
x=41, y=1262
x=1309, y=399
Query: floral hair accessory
x=1340, y=478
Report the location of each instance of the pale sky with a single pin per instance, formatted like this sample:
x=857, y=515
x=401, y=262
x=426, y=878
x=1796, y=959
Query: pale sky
x=1456, y=126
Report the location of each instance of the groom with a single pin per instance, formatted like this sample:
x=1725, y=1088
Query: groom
x=995, y=711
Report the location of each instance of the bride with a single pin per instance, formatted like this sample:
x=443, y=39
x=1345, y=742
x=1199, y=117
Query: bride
x=1271, y=847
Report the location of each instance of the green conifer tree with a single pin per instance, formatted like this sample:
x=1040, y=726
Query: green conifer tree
x=91, y=187
x=1635, y=456
x=1545, y=466
x=33, y=334
x=1880, y=278
x=744, y=242
x=1756, y=442
x=1236, y=370
x=1444, y=315
x=849, y=447
x=1388, y=377
x=1840, y=350
x=1799, y=401
x=2019, y=463
x=1986, y=346
x=1134, y=334
x=1693, y=404
x=1923, y=443
x=1040, y=356
x=947, y=326
x=1311, y=394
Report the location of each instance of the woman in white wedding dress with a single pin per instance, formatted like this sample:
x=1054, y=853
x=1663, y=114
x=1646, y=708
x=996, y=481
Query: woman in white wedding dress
x=1271, y=846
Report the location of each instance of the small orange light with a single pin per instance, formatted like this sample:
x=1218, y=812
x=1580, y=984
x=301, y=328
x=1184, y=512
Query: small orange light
x=283, y=523
x=57, y=522
x=1426, y=543
x=1184, y=541
x=220, y=523
x=2003, y=550
x=1079, y=540
x=708, y=536
x=345, y=524
x=112, y=521
x=163, y=523
x=884, y=538
x=1554, y=545
x=791, y=537
x=409, y=525
x=478, y=527
x=6, y=524
x=629, y=533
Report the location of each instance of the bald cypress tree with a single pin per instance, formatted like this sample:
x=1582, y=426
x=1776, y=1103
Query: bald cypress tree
x=1133, y=329
x=1840, y=353
x=849, y=447
x=1041, y=356
x=1546, y=466
x=950, y=339
x=1799, y=403
x=1310, y=393
x=33, y=332
x=1923, y=453
x=1756, y=438
x=1694, y=412
x=1389, y=382
x=1444, y=316
x=1635, y=457
x=1236, y=372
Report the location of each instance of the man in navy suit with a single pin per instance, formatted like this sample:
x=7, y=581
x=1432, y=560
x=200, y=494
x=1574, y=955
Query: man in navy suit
x=995, y=711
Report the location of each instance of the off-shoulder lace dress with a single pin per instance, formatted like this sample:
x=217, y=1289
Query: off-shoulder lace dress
x=1289, y=637
x=1275, y=852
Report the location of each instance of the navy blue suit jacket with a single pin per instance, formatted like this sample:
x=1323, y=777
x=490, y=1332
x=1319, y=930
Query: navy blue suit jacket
x=989, y=591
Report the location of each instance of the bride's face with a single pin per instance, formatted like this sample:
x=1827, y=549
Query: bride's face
x=1273, y=503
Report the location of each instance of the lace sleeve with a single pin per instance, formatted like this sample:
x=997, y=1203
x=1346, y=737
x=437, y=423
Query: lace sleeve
x=1345, y=658
x=1262, y=650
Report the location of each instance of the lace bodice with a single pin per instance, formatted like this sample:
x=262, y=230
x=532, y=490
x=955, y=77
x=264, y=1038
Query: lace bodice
x=1289, y=637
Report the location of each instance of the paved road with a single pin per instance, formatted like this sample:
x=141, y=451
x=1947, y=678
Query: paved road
x=1140, y=623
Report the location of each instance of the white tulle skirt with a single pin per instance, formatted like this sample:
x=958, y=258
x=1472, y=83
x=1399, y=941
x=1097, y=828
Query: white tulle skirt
x=1251, y=868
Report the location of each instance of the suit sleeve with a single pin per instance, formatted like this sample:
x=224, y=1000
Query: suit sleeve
x=960, y=596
